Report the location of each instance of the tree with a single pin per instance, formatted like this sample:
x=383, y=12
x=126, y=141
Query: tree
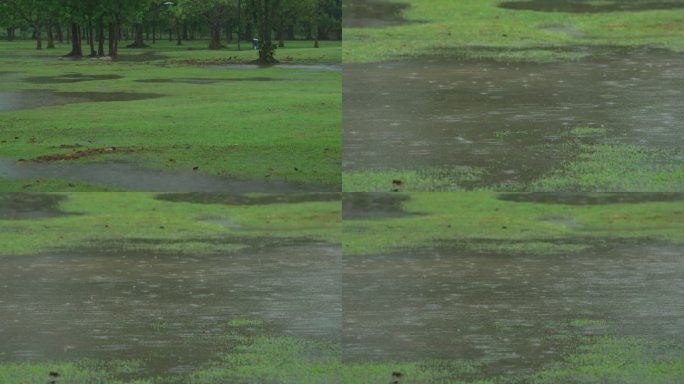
x=265, y=11
x=33, y=12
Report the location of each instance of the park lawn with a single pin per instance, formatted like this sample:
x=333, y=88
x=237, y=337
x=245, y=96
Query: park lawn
x=481, y=222
x=288, y=128
x=478, y=29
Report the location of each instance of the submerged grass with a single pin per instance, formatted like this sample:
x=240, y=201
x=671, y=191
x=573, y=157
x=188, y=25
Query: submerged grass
x=287, y=129
x=126, y=218
x=480, y=221
x=423, y=180
x=479, y=29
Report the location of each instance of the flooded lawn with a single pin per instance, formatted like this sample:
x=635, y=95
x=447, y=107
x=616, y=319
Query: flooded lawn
x=372, y=13
x=14, y=100
x=507, y=311
x=69, y=78
x=514, y=121
x=232, y=199
x=136, y=178
x=373, y=206
x=164, y=309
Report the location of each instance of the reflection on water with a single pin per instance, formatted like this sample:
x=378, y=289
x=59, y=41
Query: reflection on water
x=163, y=309
x=507, y=118
x=503, y=309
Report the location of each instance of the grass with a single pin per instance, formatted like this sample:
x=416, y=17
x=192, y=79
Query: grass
x=478, y=29
x=118, y=219
x=285, y=129
x=481, y=222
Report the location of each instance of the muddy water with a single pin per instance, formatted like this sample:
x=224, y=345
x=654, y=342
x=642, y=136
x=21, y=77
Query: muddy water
x=13, y=100
x=506, y=310
x=587, y=6
x=372, y=13
x=507, y=118
x=163, y=309
x=135, y=178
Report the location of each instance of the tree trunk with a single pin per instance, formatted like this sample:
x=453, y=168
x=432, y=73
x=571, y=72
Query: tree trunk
x=185, y=31
x=91, y=39
x=139, y=41
x=39, y=38
x=179, y=35
x=154, y=31
x=281, y=35
x=113, y=40
x=215, y=42
x=60, y=35
x=50, y=36
x=266, y=48
x=100, y=37
x=76, y=50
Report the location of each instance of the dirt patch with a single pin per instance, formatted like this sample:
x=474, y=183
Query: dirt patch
x=30, y=205
x=234, y=199
x=86, y=153
x=586, y=6
x=373, y=205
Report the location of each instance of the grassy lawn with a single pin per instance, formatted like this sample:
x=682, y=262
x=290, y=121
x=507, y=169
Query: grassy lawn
x=478, y=29
x=251, y=123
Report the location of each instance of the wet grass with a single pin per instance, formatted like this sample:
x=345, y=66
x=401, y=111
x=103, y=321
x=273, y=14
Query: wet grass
x=423, y=180
x=36, y=184
x=131, y=218
x=482, y=222
x=479, y=29
x=617, y=168
x=251, y=129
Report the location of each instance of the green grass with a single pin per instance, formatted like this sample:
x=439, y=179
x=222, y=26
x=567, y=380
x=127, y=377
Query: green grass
x=117, y=218
x=285, y=129
x=478, y=29
x=480, y=221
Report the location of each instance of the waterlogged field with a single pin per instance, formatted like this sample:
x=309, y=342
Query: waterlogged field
x=514, y=288
x=517, y=96
x=166, y=117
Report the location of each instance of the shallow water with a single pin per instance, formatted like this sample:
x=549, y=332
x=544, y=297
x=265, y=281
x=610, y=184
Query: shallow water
x=373, y=206
x=506, y=310
x=69, y=78
x=312, y=67
x=507, y=118
x=135, y=178
x=164, y=309
x=200, y=80
x=232, y=199
x=588, y=6
x=14, y=100
x=571, y=198
x=372, y=13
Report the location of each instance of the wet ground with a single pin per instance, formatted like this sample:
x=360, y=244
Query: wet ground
x=311, y=67
x=373, y=206
x=30, y=205
x=511, y=119
x=372, y=13
x=13, y=100
x=167, y=310
x=200, y=80
x=69, y=78
x=589, y=6
x=232, y=199
x=507, y=311
x=136, y=178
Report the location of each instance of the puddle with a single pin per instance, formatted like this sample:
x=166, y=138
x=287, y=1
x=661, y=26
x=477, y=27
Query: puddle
x=135, y=178
x=311, y=67
x=199, y=80
x=590, y=199
x=506, y=118
x=589, y=6
x=69, y=78
x=373, y=205
x=218, y=198
x=565, y=29
x=164, y=309
x=30, y=205
x=14, y=100
x=372, y=13
x=504, y=310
